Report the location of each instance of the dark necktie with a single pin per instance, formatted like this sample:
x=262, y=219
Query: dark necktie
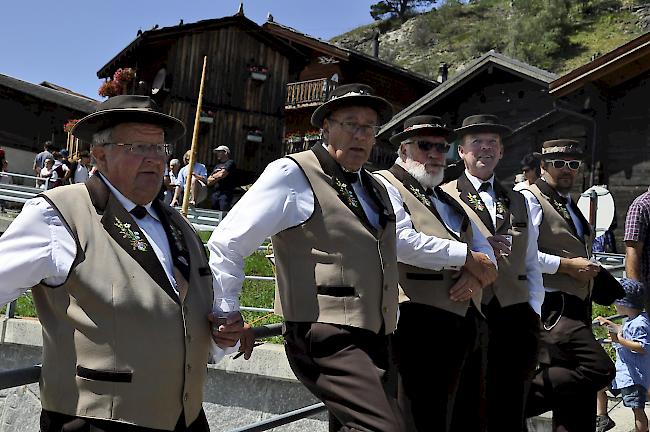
x=139, y=212
x=351, y=177
x=485, y=187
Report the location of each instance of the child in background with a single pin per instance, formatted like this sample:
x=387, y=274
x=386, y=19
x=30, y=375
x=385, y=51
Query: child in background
x=631, y=343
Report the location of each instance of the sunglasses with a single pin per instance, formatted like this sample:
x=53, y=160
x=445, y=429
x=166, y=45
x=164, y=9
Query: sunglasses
x=572, y=164
x=426, y=146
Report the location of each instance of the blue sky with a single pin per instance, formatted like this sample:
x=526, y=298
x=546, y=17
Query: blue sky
x=67, y=41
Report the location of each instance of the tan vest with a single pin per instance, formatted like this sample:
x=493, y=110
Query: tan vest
x=511, y=286
x=425, y=286
x=557, y=238
x=116, y=345
x=331, y=268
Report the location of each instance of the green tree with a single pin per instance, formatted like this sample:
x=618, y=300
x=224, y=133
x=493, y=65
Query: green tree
x=539, y=30
x=402, y=9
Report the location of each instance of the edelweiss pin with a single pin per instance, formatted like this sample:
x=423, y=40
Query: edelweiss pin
x=419, y=195
x=134, y=236
x=346, y=193
x=561, y=209
x=476, y=202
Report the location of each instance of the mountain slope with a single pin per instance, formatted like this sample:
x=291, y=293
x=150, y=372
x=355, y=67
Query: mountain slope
x=560, y=39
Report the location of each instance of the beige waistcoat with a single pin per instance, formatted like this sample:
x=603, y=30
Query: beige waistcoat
x=511, y=286
x=116, y=346
x=331, y=268
x=425, y=286
x=557, y=238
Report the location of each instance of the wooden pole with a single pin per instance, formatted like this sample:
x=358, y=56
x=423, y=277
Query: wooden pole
x=195, y=138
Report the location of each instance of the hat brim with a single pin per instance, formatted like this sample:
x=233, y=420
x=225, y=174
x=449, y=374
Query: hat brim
x=502, y=130
x=173, y=128
x=449, y=134
x=383, y=108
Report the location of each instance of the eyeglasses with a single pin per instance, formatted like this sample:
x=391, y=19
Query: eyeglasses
x=352, y=127
x=441, y=147
x=147, y=149
x=560, y=163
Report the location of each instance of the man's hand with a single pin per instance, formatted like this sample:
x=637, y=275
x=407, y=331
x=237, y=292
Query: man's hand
x=226, y=335
x=500, y=245
x=579, y=268
x=247, y=341
x=464, y=288
x=481, y=267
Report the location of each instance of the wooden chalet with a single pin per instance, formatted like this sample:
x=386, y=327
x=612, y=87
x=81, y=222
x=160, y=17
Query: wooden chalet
x=33, y=114
x=604, y=104
x=492, y=84
x=329, y=65
x=245, y=88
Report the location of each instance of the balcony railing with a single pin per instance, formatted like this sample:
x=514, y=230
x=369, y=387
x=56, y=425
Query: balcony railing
x=308, y=93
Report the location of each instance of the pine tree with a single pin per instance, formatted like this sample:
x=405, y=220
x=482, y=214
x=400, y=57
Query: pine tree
x=402, y=9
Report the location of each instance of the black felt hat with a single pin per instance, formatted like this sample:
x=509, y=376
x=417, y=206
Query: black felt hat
x=128, y=109
x=353, y=95
x=483, y=123
x=424, y=125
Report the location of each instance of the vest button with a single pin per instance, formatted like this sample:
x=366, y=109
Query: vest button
x=386, y=287
x=385, y=309
x=186, y=396
x=189, y=368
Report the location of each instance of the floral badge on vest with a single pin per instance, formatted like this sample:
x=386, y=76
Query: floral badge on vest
x=133, y=236
x=420, y=196
x=475, y=201
x=346, y=193
x=561, y=209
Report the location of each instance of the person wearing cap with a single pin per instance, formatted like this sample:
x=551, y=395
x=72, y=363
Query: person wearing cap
x=443, y=263
x=573, y=366
x=221, y=179
x=333, y=233
x=531, y=170
x=512, y=304
x=632, y=342
x=120, y=282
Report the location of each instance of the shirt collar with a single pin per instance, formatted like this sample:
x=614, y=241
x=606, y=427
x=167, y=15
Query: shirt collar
x=127, y=203
x=476, y=182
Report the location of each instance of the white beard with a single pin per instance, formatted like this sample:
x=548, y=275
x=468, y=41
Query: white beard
x=419, y=172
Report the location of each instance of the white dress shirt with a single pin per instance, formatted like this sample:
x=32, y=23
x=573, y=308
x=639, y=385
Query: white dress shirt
x=549, y=263
x=533, y=266
x=281, y=198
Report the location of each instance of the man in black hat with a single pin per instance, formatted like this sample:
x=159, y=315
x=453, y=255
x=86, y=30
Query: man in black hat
x=333, y=233
x=573, y=365
x=512, y=304
x=120, y=282
x=444, y=261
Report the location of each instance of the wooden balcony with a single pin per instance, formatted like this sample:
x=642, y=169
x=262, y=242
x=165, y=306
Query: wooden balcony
x=308, y=93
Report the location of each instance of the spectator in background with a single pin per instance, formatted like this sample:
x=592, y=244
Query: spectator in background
x=222, y=180
x=637, y=241
x=3, y=177
x=198, y=191
x=39, y=160
x=48, y=172
x=531, y=168
x=171, y=179
x=79, y=169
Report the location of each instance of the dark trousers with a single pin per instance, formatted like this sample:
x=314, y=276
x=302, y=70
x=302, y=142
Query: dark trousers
x=350, y=370
x=513, y=341
x=470, y=407
x=431, y=349
x=573, y=365
x=222, y=200
x=57, y=422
